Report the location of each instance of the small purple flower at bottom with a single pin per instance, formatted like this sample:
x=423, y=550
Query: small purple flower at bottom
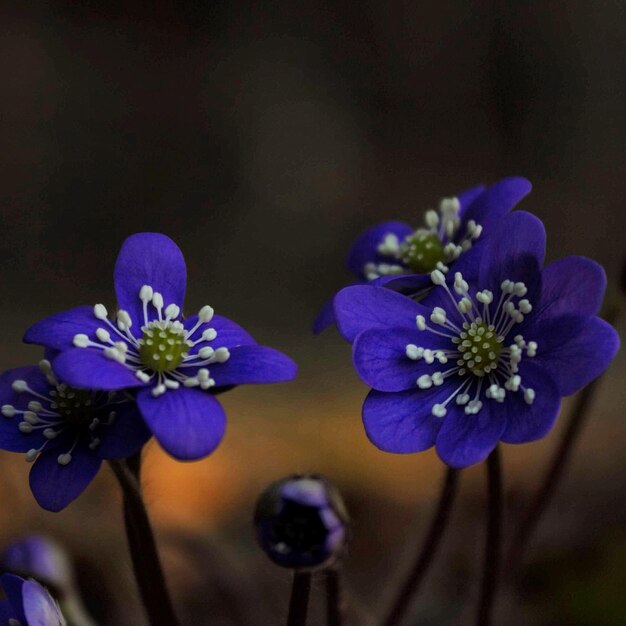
x=301, y=522
x=175, y=365
x=65, y=432
x=400, y=257
x=483, y=360
x=27, y=604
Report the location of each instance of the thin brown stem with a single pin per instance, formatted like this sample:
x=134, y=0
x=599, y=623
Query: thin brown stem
x=299, y=603
x=334, y=597
x=143, y=551
x=426, y=553
x=491, y=564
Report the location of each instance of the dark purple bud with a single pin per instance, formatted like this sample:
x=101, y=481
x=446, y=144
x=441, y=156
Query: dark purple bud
x=301, y=522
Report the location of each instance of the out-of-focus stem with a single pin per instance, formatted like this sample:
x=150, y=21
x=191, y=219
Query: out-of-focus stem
x=299, y=603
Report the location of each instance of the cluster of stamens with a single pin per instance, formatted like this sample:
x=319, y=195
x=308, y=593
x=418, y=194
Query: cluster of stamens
x=162, y=351
x=428, y=248
x=478, y=349
x=65, y=410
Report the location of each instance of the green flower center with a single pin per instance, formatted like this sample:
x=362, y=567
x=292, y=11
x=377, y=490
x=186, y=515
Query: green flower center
x=162, y=346
x=74, y=405
x=421, y=251
x=479, y=346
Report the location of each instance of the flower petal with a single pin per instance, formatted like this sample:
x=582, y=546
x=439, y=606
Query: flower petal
x=365, y=248
x=468, y=439
x=573, y=349
x=496, y=201
x=409, y=284
x=229, y=334
x=515, y=251
x=58, y=331
x=467, y=197
x=361, y=307
x=11, y=438
x=529, y=422
x=403, y=422
x=149, y=259
x=324, y=318
x=39, y=607
x=12, y=587
x=253, y=365
x=126, y=436
x=188, y=423
x=381, y=361
x=54, y=485
x=88, y=368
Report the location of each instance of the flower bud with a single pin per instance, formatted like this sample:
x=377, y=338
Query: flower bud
x=301, y=522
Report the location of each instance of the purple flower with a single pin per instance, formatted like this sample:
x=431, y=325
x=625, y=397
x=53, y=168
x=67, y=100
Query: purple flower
x=27, y=604
x=65, y=432
x=175, y=365
x=301, y=522
x=401, y=258
x=483, y=358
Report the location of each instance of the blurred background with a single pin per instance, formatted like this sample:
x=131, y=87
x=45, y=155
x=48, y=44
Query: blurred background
x=263, y=137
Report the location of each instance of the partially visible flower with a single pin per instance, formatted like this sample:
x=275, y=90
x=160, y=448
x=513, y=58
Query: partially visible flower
x=27, y=604
x=301, y=522
x=175, y=365
x=40, y=558
x=65, y=432
x=483, y=359
x=400, y=257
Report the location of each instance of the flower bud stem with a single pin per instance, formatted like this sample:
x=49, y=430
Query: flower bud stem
x=299, y=603
x=142, y=547
x=427, y=551
x=335, y=606
x=491, y=564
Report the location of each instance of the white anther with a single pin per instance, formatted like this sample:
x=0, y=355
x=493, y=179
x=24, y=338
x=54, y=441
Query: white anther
x=525, y=306
x=19, y=386
x=413, y=352
x=442, y=267
x=172, y=384
x=103, y=335
x=389, y=245
x=424, y=382
x=64, y=459
x=115, y=355
x=142, y=376
x=513, y=383
x=460, y=285
x=206, y=352
x=462, y=398
x=8, y=410
x=485, y=296
x=99, y=310
x=438, y=277
x=25, y=427
x=81, y=341
x=507, y=286
x=478, y=231
x=124, y=321
x=31, y=455
x=431, y=219
x=473, y=407
x=205, y=314
x=122, y=346
x=520, y=289
x=157, y=300
x=222, y=355
x=429, y=356
x=531, y=349
x=465, y=305
x=441, y=357
x=529, y=395
x=420, y=320
x=203, y=374
x=146, y=293
x=450, y=205
x=439, y=410
x=31, y=417
x=45, y=367
x=437, y=379
x=159, y=390
x=209, y=334
x=50, y=433
x=172, y=311
x=438, y=316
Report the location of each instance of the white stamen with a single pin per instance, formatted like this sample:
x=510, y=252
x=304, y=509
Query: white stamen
x=99, y=310
x=8, y=410
x=145, y=294
x=19, y=386
x=81, y=340
x=103, y=335
x=420, y=320
x=205, y=314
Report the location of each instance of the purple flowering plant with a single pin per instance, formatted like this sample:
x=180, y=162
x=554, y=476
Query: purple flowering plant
x=400, y=257
x=174, y=365
x=27, y=604
x=487, y=355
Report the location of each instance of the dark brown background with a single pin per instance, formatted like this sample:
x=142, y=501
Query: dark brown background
x=263, y=138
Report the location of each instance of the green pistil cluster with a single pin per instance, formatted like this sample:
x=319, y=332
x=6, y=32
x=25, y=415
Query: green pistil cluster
x=421, y=251
x=163, y=346
x=479, y=346
x=73, y=404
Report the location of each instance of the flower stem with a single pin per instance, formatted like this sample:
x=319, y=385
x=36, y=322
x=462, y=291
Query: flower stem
x=299, y=603
x=427, y=550
x=491, y=565
x=143, y=551
x=334, y=597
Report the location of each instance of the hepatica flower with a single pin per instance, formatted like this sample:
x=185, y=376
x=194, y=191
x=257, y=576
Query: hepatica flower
x=27, y=604
x=400, y=257
x=175, y=365
x=65, y=432
x=482, y=360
